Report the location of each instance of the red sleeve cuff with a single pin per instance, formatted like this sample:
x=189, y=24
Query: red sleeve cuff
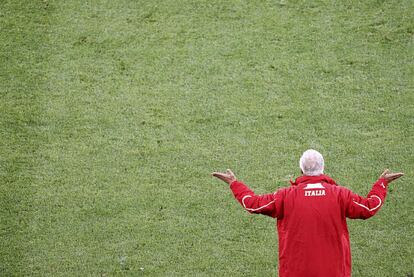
x=233, y=183
x=383, y=181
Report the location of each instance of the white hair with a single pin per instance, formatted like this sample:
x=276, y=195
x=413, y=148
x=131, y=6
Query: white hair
x=311, y=163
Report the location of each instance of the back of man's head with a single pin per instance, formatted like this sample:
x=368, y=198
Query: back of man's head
x=311, y=163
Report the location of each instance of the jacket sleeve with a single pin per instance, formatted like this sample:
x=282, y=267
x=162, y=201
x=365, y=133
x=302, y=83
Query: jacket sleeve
x=360, y=207
x=258, y=204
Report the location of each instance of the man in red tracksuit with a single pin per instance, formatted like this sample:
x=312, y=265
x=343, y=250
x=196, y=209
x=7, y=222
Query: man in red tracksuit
x=311, y=217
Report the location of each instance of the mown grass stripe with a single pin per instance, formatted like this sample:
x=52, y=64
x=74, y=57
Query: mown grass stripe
x=23, y=29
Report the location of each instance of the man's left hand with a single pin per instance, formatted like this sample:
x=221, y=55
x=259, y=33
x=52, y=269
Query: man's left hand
x=389, y=176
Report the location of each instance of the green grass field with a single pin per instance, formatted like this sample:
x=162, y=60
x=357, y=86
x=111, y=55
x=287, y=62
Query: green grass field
x=113, y=114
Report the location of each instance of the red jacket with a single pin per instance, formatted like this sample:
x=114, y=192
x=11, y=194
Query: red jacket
x=311, y=222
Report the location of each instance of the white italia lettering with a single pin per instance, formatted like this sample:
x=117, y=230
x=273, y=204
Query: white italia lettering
x=319, y=192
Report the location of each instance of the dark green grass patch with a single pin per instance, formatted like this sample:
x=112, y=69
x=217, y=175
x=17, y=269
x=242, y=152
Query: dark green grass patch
x=114, y=113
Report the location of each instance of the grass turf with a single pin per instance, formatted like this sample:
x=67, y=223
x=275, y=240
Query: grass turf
x=113, y=114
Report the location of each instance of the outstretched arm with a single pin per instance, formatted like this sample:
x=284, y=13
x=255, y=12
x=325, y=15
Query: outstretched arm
x=361, y=207
x=260, y=204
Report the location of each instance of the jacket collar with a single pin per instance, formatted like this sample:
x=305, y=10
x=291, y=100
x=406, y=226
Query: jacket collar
x=313, y=179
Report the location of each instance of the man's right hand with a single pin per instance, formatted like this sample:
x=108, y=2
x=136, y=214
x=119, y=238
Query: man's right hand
x=389, y=176
x=227, y=177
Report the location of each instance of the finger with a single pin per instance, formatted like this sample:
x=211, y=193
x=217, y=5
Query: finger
x=384, y=173
x=229, y=172
x=221, y=176
x=218, y=175
x=395, y=176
